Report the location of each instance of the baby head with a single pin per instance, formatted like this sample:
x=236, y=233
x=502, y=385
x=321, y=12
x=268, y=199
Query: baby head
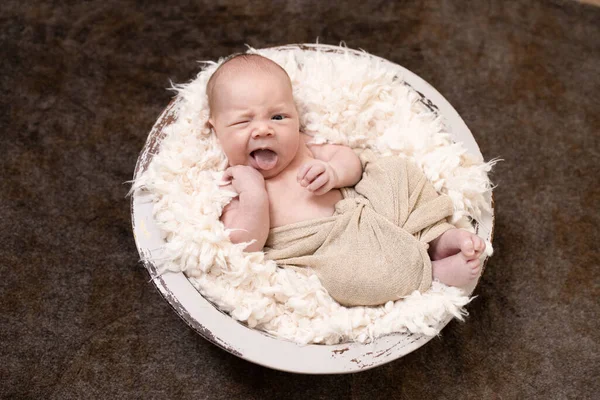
x=253, y=113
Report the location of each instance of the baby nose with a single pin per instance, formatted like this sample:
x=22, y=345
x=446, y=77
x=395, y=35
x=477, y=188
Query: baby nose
x=262, y=129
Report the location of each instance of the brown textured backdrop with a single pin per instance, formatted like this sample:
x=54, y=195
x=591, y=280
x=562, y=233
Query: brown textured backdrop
x=83, y=82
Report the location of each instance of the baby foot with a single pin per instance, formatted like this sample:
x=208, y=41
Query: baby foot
x=457, y=270
x=456, y=241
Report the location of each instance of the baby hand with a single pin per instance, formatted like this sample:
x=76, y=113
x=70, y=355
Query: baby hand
x=317, y=176
x=245, y=179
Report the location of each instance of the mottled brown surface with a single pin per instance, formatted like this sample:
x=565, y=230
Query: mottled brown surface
x=82, y=84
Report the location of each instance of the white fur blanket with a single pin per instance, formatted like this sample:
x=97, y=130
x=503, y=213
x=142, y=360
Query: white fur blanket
x=346, y=98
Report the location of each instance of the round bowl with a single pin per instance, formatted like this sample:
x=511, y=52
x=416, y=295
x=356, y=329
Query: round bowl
x=260, y=347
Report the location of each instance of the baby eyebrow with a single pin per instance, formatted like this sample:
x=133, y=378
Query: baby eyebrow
x=246, y=114
x=279, y=109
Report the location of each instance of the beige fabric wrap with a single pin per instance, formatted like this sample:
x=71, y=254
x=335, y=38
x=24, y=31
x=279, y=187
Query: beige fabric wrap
x=374, y=247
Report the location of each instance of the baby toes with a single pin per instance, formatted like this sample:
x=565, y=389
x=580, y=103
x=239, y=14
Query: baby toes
x=473, y=247
x=479, y=244
x=468, y=248
x=475, y=266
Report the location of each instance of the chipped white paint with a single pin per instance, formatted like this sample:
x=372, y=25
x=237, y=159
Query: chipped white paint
x=257, y=346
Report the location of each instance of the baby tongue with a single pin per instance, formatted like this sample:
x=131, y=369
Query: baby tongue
x=266, y=159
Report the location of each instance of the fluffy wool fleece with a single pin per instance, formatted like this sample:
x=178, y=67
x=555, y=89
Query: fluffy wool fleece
x=344, y=97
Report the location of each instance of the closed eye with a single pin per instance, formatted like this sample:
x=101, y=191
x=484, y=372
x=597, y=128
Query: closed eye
x=238, y=123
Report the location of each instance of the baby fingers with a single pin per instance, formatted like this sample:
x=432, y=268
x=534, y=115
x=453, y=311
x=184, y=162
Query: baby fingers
x=311, y=168
x=319, y=185
x=314, y=172
x=226, y=178
x=311, y=174
x=302, y=171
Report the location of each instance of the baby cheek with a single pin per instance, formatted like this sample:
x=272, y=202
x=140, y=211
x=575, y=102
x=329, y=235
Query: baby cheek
x=236, y=155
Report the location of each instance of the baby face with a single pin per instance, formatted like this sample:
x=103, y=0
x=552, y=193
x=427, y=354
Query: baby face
x=255, y=118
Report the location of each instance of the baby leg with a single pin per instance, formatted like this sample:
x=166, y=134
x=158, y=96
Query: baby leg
x=455, y=241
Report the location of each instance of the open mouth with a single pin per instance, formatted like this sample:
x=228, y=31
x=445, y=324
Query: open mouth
x=265, y=158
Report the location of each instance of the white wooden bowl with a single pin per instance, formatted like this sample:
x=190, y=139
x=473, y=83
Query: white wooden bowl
x=256, y=346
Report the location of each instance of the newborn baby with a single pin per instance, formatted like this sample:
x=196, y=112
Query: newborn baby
x=372, y=228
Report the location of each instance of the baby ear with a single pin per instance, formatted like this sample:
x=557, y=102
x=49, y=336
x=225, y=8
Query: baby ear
x=211, y=125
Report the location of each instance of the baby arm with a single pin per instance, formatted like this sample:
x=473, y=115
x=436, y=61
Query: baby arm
x=334, y=166
x=248, y=214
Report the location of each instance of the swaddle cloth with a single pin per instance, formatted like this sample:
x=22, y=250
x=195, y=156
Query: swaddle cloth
x=373, y=249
